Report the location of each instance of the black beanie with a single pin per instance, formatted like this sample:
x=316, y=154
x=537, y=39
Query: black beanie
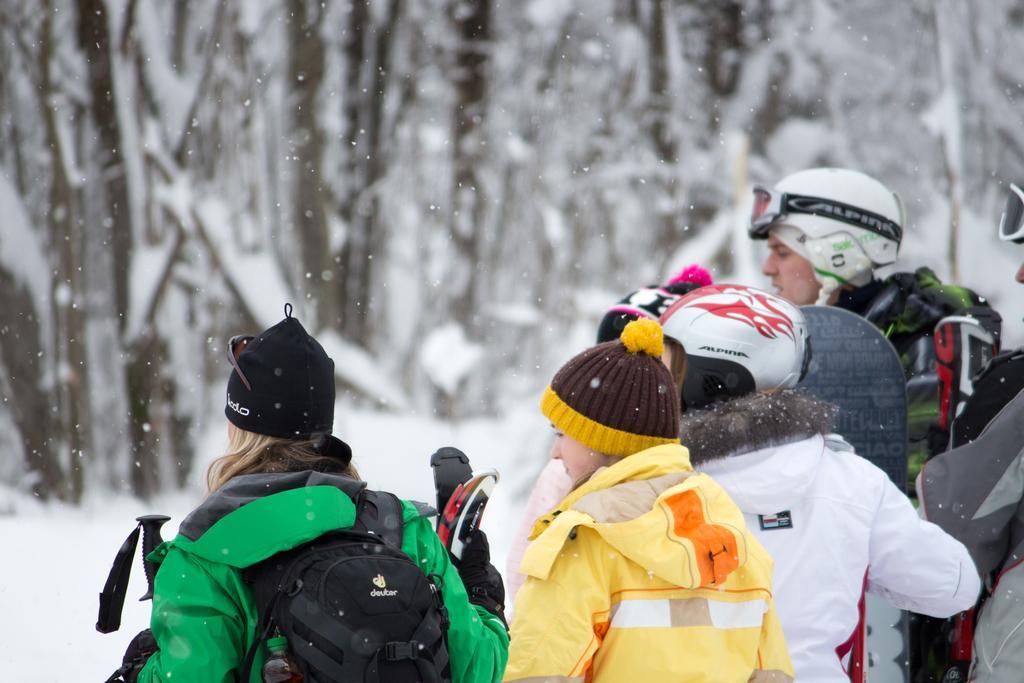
x=650, y=302
x=292, y=380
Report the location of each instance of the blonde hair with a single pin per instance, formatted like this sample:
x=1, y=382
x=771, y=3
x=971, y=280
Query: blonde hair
x=677, y=366
x=251, y=453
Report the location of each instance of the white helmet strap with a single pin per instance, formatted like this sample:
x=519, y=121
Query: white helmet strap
x=839, y=259
x=836, y=259
x=828, y=285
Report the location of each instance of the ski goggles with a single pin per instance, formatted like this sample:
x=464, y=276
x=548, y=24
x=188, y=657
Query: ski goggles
x=1011, y=225
x=235, y=347
x=771, y=206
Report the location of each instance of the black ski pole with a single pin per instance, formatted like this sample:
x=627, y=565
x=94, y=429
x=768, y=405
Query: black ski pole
x=116, y=586
x=150, y=540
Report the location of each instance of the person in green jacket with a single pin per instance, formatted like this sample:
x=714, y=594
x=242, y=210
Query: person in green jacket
x=284, y=481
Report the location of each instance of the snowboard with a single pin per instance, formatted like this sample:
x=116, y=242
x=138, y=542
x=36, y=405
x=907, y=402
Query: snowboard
x=464, y=511
x=461, y=497
x=964, y=347
x=855, y=367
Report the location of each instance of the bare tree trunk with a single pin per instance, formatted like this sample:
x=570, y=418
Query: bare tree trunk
x=143, y=379
x=160, y=446
x=179, y=34
x=723, y=58
x=305, y=74
x=660, y=112
x=32, y=405
x=29, y=395
x=946, y=133
x=69, y=329
x=367, y=53
x=355, y=267
x=473, y=31
x=94, y=41
x=177, y=430
x=659, y=84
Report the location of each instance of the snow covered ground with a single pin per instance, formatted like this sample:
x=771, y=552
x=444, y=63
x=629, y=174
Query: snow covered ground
x=56, y=558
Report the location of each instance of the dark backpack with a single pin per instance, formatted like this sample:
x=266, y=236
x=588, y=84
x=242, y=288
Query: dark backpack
x=907, y=307
x=995, y=386
x=352, y=605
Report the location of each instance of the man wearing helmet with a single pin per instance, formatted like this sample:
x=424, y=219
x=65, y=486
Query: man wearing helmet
x=975, y=492
x=829, y=230
x=832, y=521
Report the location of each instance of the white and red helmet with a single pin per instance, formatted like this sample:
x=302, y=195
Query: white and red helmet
x=738, y=340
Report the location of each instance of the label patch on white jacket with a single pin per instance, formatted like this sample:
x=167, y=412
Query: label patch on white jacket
x=780, y=520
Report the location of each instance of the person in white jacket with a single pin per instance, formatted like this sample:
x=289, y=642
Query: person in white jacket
x=833, y=522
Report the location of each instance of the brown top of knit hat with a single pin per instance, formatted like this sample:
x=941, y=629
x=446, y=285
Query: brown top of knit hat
x=617, y=398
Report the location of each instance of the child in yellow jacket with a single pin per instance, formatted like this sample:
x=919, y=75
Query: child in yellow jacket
x=645, y=571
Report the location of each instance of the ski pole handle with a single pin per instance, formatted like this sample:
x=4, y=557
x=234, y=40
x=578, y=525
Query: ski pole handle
x=451, y=467
x=446, y=455
x=150, y=540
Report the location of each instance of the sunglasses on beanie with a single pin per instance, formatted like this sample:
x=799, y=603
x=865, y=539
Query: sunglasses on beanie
x=235, y=347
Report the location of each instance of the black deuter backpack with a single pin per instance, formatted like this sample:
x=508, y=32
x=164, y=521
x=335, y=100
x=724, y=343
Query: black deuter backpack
x=353, y=606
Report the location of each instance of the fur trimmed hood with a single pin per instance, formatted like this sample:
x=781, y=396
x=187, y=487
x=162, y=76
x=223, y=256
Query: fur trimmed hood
x=754, y=422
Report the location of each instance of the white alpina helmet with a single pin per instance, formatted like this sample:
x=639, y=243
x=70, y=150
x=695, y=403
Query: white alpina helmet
x=738, y=340
x=846, y=223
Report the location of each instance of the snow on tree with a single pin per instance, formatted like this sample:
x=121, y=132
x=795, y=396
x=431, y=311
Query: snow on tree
x=173, y=172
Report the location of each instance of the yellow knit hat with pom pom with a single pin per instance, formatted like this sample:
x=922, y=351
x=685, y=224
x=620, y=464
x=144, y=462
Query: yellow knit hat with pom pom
x=617, y=398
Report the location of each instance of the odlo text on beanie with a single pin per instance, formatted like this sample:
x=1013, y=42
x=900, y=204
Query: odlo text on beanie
x=290, y=379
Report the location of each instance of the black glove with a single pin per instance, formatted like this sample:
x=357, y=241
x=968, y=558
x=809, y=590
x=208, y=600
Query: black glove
x=482, y=580
x=135, y=657
x=938, y=440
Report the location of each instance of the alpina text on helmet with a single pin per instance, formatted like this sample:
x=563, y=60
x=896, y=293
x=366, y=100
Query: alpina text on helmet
x=728, y=352
x=847, y=214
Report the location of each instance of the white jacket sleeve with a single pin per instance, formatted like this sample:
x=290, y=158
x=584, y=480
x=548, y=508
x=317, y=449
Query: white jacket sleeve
x=914, y=564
